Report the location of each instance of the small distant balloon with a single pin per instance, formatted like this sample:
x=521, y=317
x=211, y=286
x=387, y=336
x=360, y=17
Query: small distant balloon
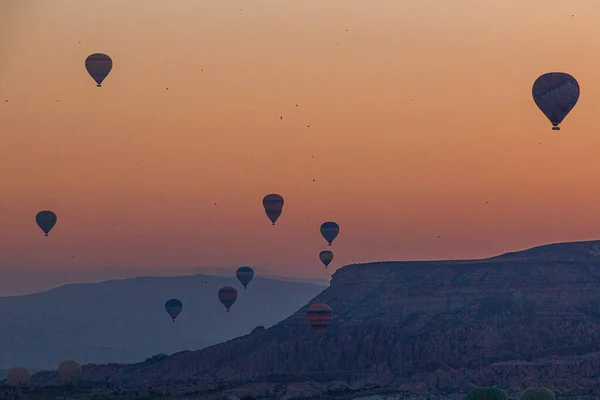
x=227, y=296
x=69, y=371
x=555, y=93
x=273, y=204
x=326, y=256
x=173, y=308
x=330, y=230
x=244, y=275
x=319, y=317
x=98, y=65
x=46, y=221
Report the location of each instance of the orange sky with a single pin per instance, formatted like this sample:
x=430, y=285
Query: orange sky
x=420, y=111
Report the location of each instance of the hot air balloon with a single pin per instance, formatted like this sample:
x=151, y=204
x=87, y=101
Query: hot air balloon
x=227, y=296
x=273, y=204
x=69, y=371
x=537, y=393
x=319, y=317
x=326, y=257
x=330, y=230
x=18, y=376
x=245, y=275
x=555, y=93
x=98, y=66
x=46, y=221
x=486, y=393
x=173, y=308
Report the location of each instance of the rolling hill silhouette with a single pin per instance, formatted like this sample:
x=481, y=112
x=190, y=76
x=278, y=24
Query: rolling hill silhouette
x=125, y=321
x=520, y=319
x=20, y=282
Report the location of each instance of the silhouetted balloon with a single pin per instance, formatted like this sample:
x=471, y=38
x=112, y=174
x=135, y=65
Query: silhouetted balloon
x=46, y=221
x=273, y=200
x=245, y=275
x=273, y=204
x=69, y=371
x=555, y=93
x=227, y=296
x=18, y=376
x=330, y=230
x=537, y=393
x=173, y=308
x=98, y=66
x=319, y=317
x=326, y=256
x=486, y=393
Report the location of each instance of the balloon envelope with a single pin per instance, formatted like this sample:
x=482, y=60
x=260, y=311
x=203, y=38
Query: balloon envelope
x=98, y=65
x=319, y=317
x=244, y=275
x=173, y=308
x=18, y=376
x=273, y=215
x=69, y=371
x=46, y=221
x=330, y=230
x=273, y=200
x=555, y=93
x=227, y=296
x=326, y=256
x=273, y=204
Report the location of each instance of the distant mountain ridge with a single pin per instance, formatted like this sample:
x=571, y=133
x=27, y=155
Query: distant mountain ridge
x=422, y=327
x=125, y=320
x=20, y=282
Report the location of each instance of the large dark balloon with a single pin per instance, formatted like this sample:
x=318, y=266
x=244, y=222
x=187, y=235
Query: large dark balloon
x=227, y=296
x=326, y=256
x=330, y=230
x=555, y=93
x=98, y=66
x=244, y=275
x=173, y=308
x=319, y=317
x=273, y=204
x=46, y=220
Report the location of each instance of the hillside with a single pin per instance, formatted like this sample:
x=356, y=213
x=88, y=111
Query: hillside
x=124, y=320
x=20, y=281
x=522, y=318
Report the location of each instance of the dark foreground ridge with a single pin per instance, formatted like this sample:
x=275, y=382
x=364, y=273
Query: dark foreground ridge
x=529, y=318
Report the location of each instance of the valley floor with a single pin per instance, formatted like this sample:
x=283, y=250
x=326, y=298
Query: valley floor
x=190, y=393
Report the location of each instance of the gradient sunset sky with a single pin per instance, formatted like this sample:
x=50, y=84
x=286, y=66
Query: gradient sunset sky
x=414, y=120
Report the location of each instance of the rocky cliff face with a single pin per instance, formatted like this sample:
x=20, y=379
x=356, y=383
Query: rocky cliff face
x=530, y=317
